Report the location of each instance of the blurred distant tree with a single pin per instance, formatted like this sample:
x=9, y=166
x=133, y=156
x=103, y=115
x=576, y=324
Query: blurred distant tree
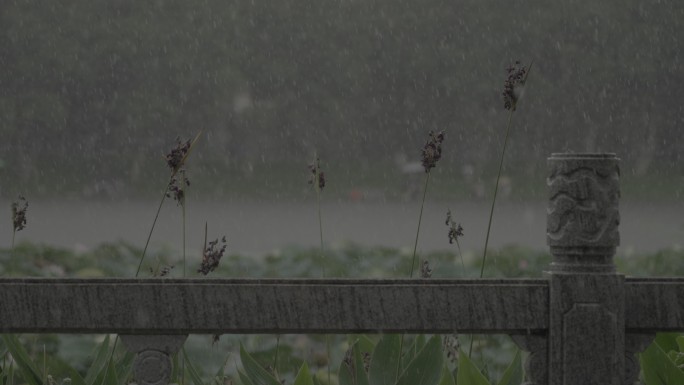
x=96, y=88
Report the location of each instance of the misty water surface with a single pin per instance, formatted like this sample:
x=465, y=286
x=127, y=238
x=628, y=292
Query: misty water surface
x=257, y=228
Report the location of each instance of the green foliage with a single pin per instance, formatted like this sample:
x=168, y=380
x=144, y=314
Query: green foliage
x=100, y=362
x=194, y=375
x=662, y=363
x=116, y=369
x=101, y=372
x=380, y=366
x=348, y=260
x=447, y=377
x=514, y=372
x=426, y=367
x=304, y=376
x=254, y=371
x=27, y=367
x=663, y=263
x=468, y=373
x=352, y=369
x=385, y=360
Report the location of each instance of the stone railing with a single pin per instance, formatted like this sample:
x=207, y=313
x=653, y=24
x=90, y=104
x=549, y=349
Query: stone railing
x=582, y=324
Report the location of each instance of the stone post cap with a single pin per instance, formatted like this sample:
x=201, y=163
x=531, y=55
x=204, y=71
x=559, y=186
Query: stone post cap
x=583, y=215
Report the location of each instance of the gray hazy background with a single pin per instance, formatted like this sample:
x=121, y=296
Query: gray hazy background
x=93, y=93
x=257, y=228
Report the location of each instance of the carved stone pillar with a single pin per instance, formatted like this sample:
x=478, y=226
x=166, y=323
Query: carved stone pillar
x=153, y=365
x=586, y=320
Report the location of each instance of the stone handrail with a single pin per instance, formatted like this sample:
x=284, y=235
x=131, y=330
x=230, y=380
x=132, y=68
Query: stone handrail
x=582, y=323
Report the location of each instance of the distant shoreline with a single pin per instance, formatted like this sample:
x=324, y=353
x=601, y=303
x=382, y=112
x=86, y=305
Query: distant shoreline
x=256, y=228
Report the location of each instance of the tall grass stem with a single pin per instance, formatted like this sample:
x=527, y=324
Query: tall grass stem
x=460, y=254
x=413, y=258
x=317, y=186
x=491, y=211
x=496, y=189
x=320, y=223
x=149, y=235
x=183, y=209
x=275, y=359
x=420, y=218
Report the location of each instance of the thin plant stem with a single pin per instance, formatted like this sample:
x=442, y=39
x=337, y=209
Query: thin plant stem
x=470, y=349
x=498, y=175
x=182, y=368
x=317, y=185
x=183, y=209
x=275, y=359
x=491, y=211
x=14, y=234
x=460, y=254
x=206, y=226
x=318, y=206
x=327, y=348
x=496, y=189
x=420, y=218
x=149, y=235
x=401, y=347
x=11, y=369
x=413, y=259
x=184, y=256
x=320, y=228
x=156, y=216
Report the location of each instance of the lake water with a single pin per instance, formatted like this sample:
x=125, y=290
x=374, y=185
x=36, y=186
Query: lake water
x=257, y=228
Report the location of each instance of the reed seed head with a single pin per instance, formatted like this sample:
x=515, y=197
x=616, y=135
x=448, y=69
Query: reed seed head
x=432, y=150
x=215, y=338
x=425, y=270
x=176, y=157
x=455, y=230
x=176, y=188
x=212, y=256
x=349, y=358
x=317, y=175
x=452, y=346
x=166, y=270
x=366, y=361
x=512, y=84
x=19, y=208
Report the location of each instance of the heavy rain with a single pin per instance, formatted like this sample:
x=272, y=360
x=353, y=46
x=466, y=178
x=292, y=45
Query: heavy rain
x=262, y=99
x=93, y=94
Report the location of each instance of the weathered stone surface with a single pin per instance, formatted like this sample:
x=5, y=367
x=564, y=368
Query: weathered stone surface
x=654, y=304
x=586, y=329
x=586, y=296
x=583, y=215
x=212, y=306
x=153, y=364
x=582, y=325
x=152, y=367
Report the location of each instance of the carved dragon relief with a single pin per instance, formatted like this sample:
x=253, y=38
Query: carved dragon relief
x=583, y=207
